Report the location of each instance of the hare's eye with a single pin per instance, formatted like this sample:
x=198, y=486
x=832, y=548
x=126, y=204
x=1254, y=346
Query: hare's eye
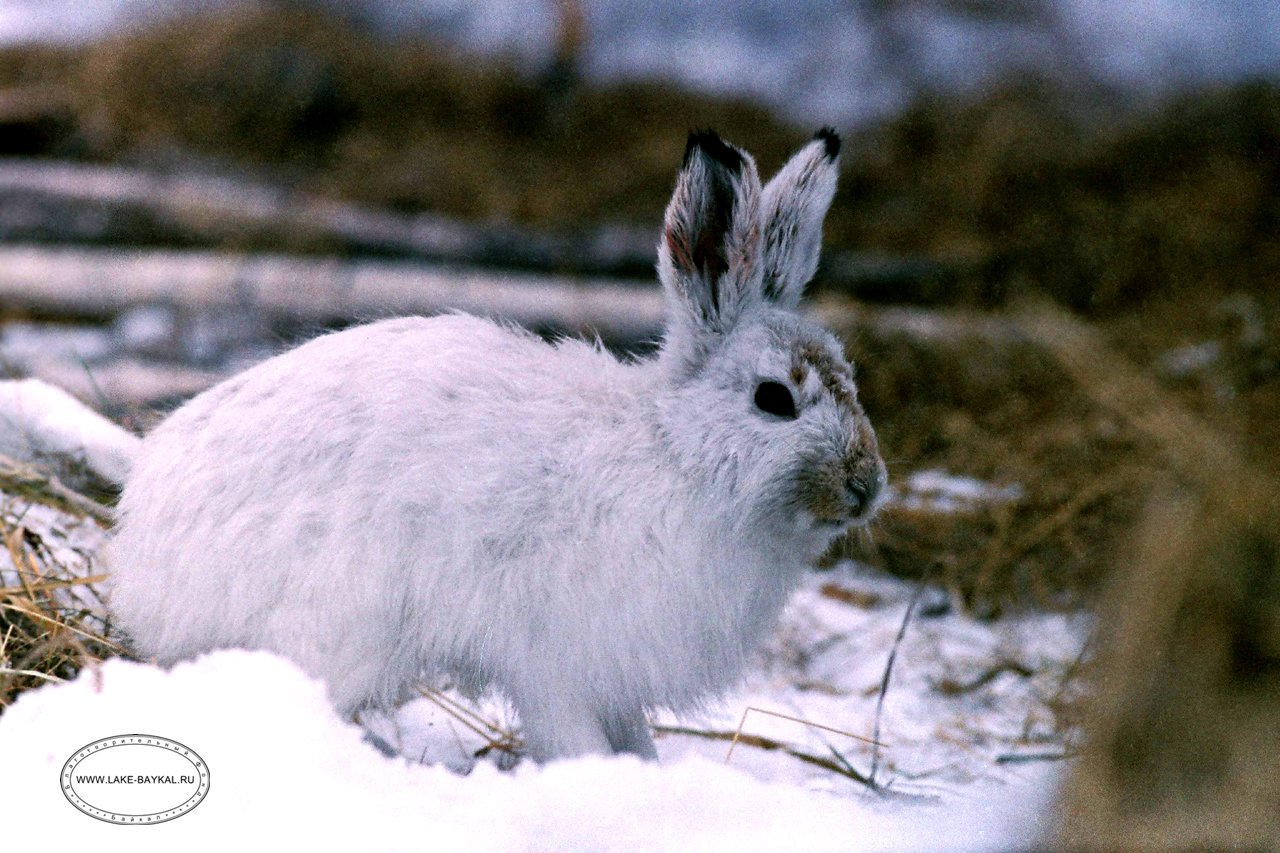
x=775, y=398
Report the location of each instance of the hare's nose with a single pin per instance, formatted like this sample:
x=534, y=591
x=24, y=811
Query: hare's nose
x=859, y=496
x=863, y=487
x=862, y=493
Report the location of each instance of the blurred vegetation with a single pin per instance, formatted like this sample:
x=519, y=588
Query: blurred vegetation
x=1178, y=198
x=1014, y=188
x=410, y=125
x=1005, y=412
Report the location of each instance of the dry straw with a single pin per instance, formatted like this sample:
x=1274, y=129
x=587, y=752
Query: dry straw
x=52, y=621
x=1183, y=745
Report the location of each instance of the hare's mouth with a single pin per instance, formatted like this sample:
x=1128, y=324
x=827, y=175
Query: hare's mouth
x=828, y=525
x=859, y=509
x=858, y=514
x=835, y=500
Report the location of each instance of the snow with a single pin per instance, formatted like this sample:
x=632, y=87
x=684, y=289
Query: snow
x=41, y=422
x=937, y=491
x=284, y=766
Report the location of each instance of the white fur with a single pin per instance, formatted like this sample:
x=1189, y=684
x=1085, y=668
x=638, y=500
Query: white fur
x=596, y=538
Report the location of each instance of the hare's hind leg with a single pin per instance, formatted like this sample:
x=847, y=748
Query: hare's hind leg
x=630, y=733
x=562, y=733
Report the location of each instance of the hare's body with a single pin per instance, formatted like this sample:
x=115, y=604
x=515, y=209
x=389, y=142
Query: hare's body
x=415, y=497
x=549, y=572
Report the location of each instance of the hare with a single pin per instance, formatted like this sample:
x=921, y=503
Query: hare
x=592, y=536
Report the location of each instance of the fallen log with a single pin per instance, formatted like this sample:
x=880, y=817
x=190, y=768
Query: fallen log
x=100, y=283
x=275, y=298
x=62, y=203
x=314, y=291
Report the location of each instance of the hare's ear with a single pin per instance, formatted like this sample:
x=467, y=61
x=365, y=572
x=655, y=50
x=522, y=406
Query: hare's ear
x=709, y=259
x=794, y=205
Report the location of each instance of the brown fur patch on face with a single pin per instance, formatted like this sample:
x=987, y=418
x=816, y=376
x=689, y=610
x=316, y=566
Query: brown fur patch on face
x=825, y=491
x=836, y=376
x=822, y=493
x=864, y=444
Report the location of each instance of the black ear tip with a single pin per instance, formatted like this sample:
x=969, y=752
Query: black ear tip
x=710, y=144
x=831, y=140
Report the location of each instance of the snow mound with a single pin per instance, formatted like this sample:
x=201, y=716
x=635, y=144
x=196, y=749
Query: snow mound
x=938, y=491
x=42, y=423
x=284, y=766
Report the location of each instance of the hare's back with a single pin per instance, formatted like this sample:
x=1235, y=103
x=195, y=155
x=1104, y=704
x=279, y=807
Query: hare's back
x=452, y=415
x=307, y=482
x=339, y=409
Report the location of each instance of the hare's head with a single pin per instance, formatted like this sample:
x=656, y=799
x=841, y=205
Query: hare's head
x=761, y=398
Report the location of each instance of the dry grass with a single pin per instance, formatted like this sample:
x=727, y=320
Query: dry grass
x=835, y=764
x=974, y=393
x=37, y=485
x=496, y=737
x=51, y=613
x=1101, y=217
x=1183, y=746
x=974, y=398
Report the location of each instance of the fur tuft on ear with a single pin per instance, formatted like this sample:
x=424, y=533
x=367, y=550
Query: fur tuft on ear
x=794, y=204
x=709, y=259
x=830, y=140
x=708, y=143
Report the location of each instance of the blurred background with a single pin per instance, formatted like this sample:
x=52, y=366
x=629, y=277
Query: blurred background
x=1054, y=255
x=188, y=186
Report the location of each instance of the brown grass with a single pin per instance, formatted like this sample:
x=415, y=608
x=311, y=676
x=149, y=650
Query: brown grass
x=1101, y=217
x=1183, y=746
x=975, y=399
x=46, y=636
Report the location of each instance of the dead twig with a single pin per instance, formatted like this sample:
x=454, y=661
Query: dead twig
x=954, y=687
x=507, y=742
x=46, y=488
x=769, y=744
x=884, y=682
x=854, y=597
x=750, y=708
x=47, y=585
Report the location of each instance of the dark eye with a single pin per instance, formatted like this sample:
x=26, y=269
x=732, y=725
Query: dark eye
x=775, y=398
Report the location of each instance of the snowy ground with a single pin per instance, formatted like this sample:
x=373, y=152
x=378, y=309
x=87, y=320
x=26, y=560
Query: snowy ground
x=284, y=768
x=967, y=722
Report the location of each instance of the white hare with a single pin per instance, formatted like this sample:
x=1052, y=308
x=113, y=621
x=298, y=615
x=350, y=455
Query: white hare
x=593, y=537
